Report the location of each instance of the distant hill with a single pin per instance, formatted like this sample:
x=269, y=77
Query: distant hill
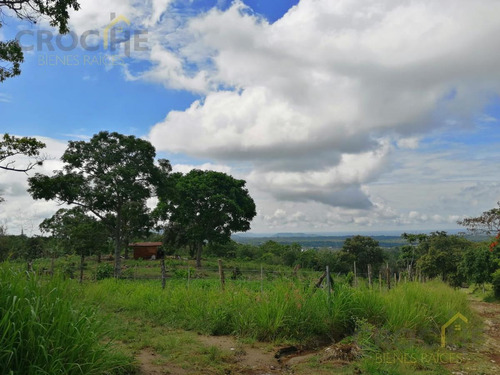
x=311, y=240
x=328, y=241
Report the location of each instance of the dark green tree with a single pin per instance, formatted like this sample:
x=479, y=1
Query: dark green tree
x=12, y=147
x=77, y=232
x=103, y=176
x=411, y=253
x=209, y=206
x=442, y=254
x=478, y=264
x=364, y=250
x=57, y=12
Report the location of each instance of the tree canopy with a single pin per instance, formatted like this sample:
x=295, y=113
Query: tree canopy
x=364, y=251
x=487, y=223
x=111, y=175
x=12, y=147
x=56, y=11
x=208, y=206
x=76, y=232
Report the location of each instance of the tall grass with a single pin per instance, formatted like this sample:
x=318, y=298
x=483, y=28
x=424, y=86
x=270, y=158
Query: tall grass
x=284, y=310
x=42, y=331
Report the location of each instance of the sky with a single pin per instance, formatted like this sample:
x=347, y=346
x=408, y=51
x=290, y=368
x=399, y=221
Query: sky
x=342, y=116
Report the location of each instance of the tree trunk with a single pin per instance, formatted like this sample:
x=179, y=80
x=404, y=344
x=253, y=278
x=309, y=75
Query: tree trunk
x=163, y=272
x=118, y=247
x=82, y=260
x=199, y=248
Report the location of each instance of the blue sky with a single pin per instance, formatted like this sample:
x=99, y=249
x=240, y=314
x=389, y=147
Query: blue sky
x=342, y=116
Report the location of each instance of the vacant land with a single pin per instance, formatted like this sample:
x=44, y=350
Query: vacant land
x=275, y=321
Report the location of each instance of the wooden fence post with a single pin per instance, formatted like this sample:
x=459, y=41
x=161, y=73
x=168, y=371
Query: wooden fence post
x=355, y=276
x=370, y=276
x=261, y=279
x=388, y=276
x=163, y=272
x=380, y=279
x=328, y=282
x=221, y=274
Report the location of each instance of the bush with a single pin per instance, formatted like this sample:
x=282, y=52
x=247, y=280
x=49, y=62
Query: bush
x=104, y=271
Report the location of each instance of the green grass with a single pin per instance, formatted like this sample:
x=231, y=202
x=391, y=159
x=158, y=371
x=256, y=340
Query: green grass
x=284, y=310
x=43, y=331
x=386, y=325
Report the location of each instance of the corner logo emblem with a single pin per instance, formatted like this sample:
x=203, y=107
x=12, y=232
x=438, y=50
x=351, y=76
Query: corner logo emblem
x=457, y=327
x=113, y=23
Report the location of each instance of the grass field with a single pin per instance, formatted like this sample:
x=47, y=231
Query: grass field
x=395, y=331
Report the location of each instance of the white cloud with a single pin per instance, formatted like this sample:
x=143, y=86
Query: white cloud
x=312, y=101
x=5, y=98
x=331, y=110
x=20, y=211
x=186, y=168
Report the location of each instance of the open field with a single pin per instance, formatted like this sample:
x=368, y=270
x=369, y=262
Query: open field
x=279, y=324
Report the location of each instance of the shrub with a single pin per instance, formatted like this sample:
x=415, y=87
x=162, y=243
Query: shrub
x=104, y=271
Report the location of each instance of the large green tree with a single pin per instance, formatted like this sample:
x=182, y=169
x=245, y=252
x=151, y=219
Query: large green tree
x=56, y=11
x=209, y=206
x=364, y=250
x=442, y=254
x=412, y=251
x=104, y=176
x=13, y=147
x=478, y=264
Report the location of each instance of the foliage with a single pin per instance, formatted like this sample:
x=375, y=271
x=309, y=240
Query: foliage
x=477, y=264
x=76, y=231
x=209, y=206
x=488, y=223
x=57, y=11
x=10, y=52
x=112, y=175
x=103, y=271
x=442, y=254
x=11, y=147
x=364, y=251
x=44, y=332
x=411, y=252
x=495, y=279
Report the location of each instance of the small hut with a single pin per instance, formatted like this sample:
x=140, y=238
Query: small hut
x=145, y=250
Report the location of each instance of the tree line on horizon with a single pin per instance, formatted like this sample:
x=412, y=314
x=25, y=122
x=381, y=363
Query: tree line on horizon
x=107, y=181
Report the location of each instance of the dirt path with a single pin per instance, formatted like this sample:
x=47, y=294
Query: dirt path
x=485, y=359
x=490, y=312
x=234, y=357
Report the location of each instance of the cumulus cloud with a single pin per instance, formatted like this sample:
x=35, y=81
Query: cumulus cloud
x=313, y=100
x=328, y=108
